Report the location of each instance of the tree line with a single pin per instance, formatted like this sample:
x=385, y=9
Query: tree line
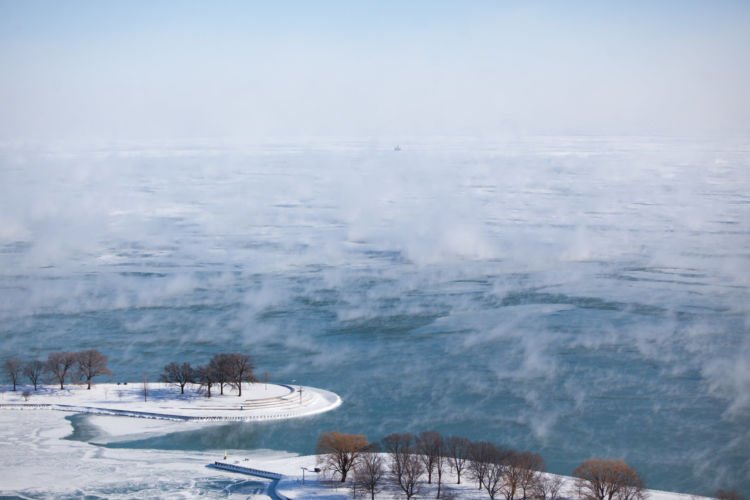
x=59, y=367
x=224, y=369
x=408, y=462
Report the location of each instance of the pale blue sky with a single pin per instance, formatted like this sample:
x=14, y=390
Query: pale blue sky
x=243, y=70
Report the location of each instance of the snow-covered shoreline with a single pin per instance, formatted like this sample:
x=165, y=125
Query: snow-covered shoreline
x=37, y=461
x=259, y=401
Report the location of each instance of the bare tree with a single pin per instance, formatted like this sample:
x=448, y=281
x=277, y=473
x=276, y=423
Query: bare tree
x=531, y=465
x=59, y=364
x=431, y=447
x=481, y=455
x=412, y=470
x=369, y=470
x=548, y=487
x=429, y=444
x=406, y=468
x=181, y=375
x=520, y=474
x=205, y=377
x=220, y=364
x=602, y=479
x=240, y=369
x=339, y=452
x=398, y=446
x=34, y=370
x=441, y=459
x=493, y=479
x=13, y=368
x=486, y=465
x=457, y=449
x=92, y=363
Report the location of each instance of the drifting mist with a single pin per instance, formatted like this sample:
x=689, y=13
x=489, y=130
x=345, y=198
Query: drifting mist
x=579, y=297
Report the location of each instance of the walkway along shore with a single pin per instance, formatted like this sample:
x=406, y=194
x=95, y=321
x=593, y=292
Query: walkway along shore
x=274, y=477
x=260, y=402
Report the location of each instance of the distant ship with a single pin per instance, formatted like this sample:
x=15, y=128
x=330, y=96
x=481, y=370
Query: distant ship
x=397, y=148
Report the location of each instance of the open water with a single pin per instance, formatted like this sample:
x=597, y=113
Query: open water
x=577, y=297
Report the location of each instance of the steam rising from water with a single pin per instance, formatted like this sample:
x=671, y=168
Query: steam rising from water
x=580, y=297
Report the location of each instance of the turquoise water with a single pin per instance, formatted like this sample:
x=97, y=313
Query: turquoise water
x=574, y=297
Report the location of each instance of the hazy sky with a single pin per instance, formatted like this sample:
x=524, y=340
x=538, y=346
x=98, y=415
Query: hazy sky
x=244, y=70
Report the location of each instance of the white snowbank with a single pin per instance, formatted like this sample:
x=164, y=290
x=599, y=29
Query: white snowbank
x=163, y=401
x=35, y=461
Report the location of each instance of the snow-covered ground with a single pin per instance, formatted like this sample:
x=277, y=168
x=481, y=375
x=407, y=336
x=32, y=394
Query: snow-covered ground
x=259, y=401
x=293, y=487
x=36, y=462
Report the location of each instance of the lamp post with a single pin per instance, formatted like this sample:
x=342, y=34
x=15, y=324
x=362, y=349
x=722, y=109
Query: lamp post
x=315, y=470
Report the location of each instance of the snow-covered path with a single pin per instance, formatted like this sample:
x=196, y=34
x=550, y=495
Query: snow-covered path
x=162, y=401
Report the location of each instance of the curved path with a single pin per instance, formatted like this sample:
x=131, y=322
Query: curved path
x=258, y=402
x=271, y=491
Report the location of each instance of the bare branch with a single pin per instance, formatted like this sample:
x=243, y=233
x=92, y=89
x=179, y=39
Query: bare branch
x=59, y=364
x=340, y=451
x=13, y=368
x=600, y=479
x=92, y=363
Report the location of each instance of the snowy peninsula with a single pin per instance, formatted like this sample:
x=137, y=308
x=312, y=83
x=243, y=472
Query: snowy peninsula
x=259, y=401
